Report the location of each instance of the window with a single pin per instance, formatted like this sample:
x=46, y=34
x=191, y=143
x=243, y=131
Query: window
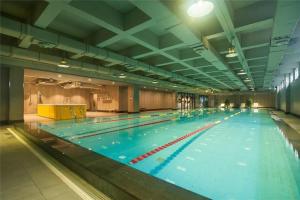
x=296, y=73
x=291, y=77
x=282, y=84
x=287, y=80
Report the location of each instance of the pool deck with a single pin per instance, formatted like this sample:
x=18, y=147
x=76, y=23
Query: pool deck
x=291, y=120
x=290, y=126
x=24, y=176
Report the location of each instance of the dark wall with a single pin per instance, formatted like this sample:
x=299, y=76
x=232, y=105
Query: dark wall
x=4, y=94
x=12, y=94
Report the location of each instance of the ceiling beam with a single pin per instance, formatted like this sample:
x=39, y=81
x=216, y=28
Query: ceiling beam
x=259, y=25
x=224, y=16
x=50, y=12
x=179, y=30
x=44, y=18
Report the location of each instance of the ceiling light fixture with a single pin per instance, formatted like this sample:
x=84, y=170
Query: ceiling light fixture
x=175, y=86
x=122, y=76
x=231, y=53
x=63, y=64
x=154, y=82
x=200, y=8
x=241, y=73
x=247, y=80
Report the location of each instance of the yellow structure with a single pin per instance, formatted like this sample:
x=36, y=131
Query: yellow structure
x=62, y=111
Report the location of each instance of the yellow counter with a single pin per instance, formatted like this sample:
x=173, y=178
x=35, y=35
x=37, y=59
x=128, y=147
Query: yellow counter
x=62, y=111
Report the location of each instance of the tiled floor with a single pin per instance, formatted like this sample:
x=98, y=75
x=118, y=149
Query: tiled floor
x=24, y=176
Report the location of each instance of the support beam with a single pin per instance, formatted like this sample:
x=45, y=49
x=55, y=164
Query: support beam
x=224, y=16
x=50, y=12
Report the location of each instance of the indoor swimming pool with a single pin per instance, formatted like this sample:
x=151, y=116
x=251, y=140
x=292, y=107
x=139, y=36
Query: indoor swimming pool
x=220, y=154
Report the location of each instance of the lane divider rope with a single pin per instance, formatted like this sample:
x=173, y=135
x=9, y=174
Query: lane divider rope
x=146, y=124
x=160, y=148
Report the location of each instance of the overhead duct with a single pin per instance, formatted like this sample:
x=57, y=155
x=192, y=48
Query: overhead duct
x=49, y=39
x=45, y=81
x=14, y=55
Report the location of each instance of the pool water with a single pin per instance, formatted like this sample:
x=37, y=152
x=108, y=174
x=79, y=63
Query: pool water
x=243, y=155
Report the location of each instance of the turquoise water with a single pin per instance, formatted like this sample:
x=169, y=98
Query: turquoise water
x=243, y=155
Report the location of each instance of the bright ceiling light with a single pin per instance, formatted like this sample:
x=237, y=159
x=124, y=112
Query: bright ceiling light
x=241, y=73
x=175, y=86
x=231, y=53
x=247, y=80
x=154, y=82
x=200, y=8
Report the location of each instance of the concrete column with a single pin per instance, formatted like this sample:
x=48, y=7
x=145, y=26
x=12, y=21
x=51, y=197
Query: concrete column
x=288, y=99
x=4, y=95
x=133, y=99
x=123, y=99
x=16, y=94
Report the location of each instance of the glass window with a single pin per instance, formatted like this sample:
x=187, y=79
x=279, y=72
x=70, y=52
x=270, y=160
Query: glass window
x=296, y=72
x=287, y=80
x=291, y=77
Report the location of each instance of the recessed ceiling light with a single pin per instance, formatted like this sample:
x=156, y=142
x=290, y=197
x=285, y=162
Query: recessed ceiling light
x=154, y=82
x=241, y=73
x=63, y=64
x=241, y=70
x=200, y=8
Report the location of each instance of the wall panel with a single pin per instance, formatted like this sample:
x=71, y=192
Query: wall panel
x=151, y=100
x=106, y=99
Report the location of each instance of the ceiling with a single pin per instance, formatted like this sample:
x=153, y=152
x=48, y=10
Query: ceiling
x=156, y=40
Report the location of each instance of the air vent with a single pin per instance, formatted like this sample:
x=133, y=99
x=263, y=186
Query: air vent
x=280, y=41
x=46, y=45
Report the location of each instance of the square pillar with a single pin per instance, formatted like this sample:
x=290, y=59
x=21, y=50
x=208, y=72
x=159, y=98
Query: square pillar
x=4, y=95
x=16, y=94
x=133, y=99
